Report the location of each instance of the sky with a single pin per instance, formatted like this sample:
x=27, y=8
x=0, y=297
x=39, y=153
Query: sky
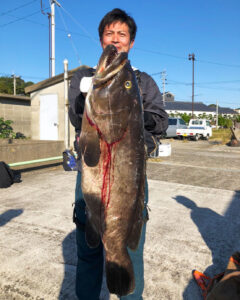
x=168, y=31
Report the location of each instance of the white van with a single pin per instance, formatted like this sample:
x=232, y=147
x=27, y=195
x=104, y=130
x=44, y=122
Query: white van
x=173, y=125
x=197, y=128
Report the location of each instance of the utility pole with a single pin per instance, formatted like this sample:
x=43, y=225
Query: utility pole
x=14, y=84
x=192, y=57
x=217, y=115
x=53, y=36
x=163, y=77
x=51, y=18
x=66, y=106
x=52, y=57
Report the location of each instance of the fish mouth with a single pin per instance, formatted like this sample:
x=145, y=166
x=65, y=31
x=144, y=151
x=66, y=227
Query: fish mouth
x=111, y=62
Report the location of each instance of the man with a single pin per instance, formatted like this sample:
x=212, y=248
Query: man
x=119, y=29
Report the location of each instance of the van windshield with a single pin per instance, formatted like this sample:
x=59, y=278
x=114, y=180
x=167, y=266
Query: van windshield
x=172, y=121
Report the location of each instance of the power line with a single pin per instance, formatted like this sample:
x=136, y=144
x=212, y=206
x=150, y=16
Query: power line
x=16, y=8
x=28, y=76
x=69, y=36
x=81, y=26
x=219, y=82
x=179, y=82
x=31, y=21
x=44, y=25
x=171, y=81
x=205, y=87
x=217, y=63
x=160, y=53
x=220, y=89
x=96, y=41
x=185, y=58
x=22, y=18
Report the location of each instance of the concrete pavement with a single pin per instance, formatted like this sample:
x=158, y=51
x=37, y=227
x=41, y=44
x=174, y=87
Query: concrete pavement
x=190, y=227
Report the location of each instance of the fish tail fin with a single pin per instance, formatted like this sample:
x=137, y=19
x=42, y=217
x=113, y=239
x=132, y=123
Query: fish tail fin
x=120, y=276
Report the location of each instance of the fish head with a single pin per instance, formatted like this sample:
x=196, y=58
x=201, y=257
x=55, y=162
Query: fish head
x=114, y=93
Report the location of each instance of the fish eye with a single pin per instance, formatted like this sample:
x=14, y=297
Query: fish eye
x=128, y=84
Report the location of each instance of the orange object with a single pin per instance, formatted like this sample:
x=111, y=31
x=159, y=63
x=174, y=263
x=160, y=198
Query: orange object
x=205, y=282
x=234, y=261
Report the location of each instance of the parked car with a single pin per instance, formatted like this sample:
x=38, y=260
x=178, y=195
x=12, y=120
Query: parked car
x=198, y=128
x=173, y=125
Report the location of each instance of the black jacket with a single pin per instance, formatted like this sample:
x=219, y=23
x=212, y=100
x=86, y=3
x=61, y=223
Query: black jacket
x=155, y=117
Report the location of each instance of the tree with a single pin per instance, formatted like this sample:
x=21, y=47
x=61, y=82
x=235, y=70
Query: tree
x=186, y=118
x=6, y=85
x=6, y=129
x=228, y=123
x=212, y=105
x=237, y=118
x=224, y=122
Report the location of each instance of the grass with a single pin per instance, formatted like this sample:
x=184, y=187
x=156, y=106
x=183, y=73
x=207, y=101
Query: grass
x=222, y=135
x=154, y=159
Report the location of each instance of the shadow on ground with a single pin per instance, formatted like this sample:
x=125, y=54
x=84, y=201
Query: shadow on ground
x=69, y=251
x=8, y=215
x=220, y=233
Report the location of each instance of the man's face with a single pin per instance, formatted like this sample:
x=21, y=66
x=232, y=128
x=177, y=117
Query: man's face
x=117, y=34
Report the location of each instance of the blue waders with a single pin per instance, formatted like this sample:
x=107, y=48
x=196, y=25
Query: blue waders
x=90, y=260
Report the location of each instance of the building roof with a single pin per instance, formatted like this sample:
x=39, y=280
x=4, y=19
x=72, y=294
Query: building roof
x=226, y=110
x=198, y=106
x=14, y=97
x=51, y=81
x=180, y=105
x=173, y=105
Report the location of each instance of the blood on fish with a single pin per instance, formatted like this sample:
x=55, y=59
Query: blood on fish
x=107, y=182
x=106, y=148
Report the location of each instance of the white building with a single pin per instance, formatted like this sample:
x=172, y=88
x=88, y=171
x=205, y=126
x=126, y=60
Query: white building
x=180, y=107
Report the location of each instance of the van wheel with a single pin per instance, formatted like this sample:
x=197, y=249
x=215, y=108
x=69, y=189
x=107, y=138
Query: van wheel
x=196, y=137
x=207, y=137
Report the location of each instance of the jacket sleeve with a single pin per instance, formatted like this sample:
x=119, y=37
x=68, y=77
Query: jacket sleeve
x=155, y=117
x=76, y=98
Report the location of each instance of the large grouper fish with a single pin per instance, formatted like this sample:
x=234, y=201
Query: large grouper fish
x=113, y=166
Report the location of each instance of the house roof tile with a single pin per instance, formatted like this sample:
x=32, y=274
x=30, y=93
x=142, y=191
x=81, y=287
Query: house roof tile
x=51, y=81
x=198, y=106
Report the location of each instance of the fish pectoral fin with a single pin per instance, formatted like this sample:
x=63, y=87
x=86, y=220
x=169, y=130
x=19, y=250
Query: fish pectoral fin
x=90, y=147
x=136, y=229
x=135, y=234
x=138, y=218
x=92, y=237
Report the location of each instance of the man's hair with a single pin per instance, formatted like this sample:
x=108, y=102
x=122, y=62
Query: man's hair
x=116, y=15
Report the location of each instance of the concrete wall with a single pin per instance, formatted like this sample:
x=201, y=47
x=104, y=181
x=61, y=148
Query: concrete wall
x=19, y=111
x=35, y=112
x=26, y=150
